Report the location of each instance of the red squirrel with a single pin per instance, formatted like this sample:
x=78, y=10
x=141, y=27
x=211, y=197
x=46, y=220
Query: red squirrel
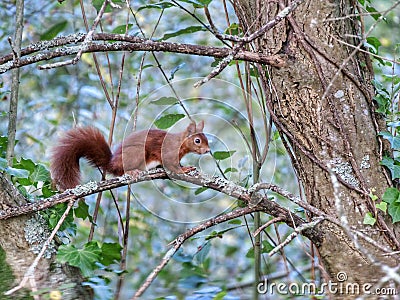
x=139, y=151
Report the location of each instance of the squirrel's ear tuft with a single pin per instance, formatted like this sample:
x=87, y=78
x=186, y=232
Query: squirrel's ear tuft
x=191, y=129
x=200, y=126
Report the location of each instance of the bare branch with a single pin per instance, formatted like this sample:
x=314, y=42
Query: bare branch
x=296, y=232
x=178, y=242
x=247, y=39
x=125, y=43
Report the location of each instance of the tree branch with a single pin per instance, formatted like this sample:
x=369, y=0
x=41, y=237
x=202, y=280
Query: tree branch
x=251, y=198
x=124, y=43
x=178, y=242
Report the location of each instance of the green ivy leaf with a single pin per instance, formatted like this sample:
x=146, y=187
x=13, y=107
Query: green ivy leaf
x=53, y=31
x=369, y=219
x=221, y=155
x=168, y=120
x=165, y=101
x=394, y=169
x=111, y=252
x=85, y=259
x=382, y=206
x=394, y=211
x=392, y=197
x=54, y=215
x=3, y=164
x=394, y=140
x=187, y=30
x=47, y=191
x=19, y=173
x=40, y=173
x=82, y=211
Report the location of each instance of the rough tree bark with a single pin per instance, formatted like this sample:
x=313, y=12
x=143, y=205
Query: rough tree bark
x=18, y=257
x=322, y=104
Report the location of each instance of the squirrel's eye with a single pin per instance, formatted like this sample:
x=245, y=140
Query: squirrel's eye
x=197, y=141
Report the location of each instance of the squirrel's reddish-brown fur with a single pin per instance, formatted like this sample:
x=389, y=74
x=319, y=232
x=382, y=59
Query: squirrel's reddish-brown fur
x=139, y=151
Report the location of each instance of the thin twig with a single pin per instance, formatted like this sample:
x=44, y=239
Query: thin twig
x=178, y=242
x=87, y=41
x=270, y=222
x=296, y=232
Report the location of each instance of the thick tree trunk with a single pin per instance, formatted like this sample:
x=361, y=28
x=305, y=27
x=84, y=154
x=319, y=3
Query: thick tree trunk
x=322, y=104
x=18, y=236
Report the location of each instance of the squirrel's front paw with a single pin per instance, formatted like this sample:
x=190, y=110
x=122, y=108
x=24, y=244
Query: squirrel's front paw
x=188, y=169
x=134, y=173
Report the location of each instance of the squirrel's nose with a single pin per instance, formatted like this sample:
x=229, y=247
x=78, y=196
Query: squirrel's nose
x=207, y=150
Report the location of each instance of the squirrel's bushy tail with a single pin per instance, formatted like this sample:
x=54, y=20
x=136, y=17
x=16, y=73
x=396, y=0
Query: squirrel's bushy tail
x=87, y=142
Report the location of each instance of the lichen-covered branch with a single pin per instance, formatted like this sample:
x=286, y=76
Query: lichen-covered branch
x=71, y=45
x=251, y=198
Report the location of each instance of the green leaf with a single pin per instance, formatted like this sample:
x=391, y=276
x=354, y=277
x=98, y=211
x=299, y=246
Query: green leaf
x=266, y=247
x=250, y=253
x=19, y=173
x=47, y=191
x=382, y=206
x=200, y=190
x=99, y=3
x=391, y=195
x=82, y=211
x=374, y=42
x=187, y=30
x=374, y=12
x=221, y=155
x=369, y=219
x=394, y=211
x=3, y=164
x=159, y=5
x=233, y=29
x=85, y=259
x=53, y=31
x=122, y=29
x=394, y=169
x=235, y=222
x=168, y=120
x=231, y=170
x=202, y=254
x=40, y=174
x=197, y=3
x=394, y=140
x=220, y=295
x=165, y=101
x=111, y=252
x=54, y=215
